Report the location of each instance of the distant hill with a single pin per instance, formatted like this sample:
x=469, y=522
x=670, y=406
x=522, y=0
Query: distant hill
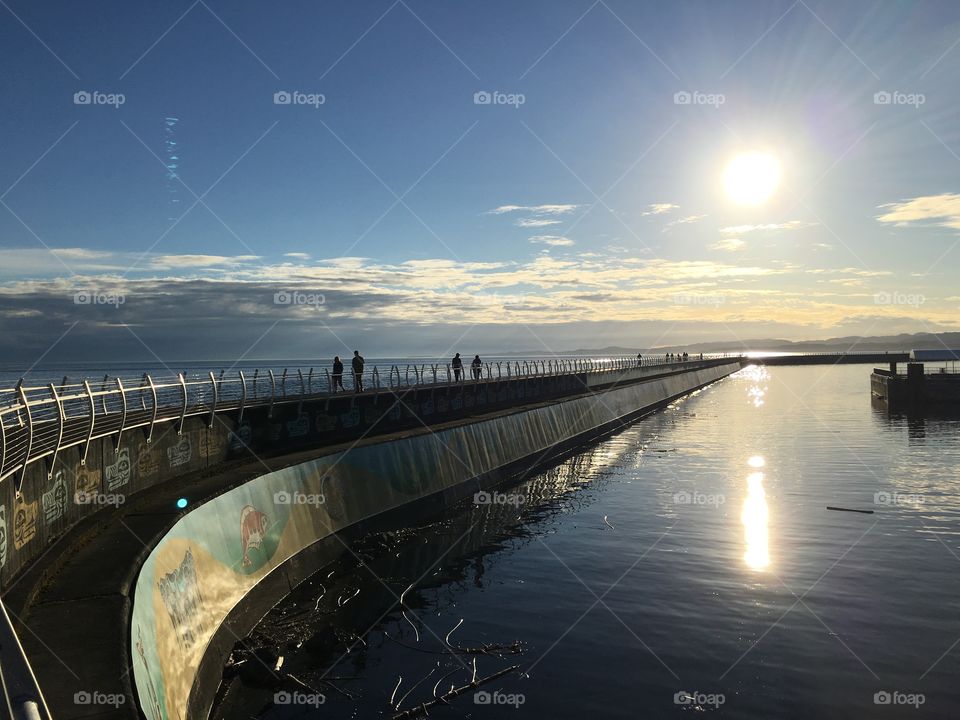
x=852, y=343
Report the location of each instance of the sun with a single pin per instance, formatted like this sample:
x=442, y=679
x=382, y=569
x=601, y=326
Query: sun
x=751, y=178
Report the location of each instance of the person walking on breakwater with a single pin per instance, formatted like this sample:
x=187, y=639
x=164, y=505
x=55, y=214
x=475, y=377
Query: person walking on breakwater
x=457, y=363
x=357, y=364
x=337, y=373
x=477, y=366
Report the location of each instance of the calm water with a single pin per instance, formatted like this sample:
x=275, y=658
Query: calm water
x=620, y=594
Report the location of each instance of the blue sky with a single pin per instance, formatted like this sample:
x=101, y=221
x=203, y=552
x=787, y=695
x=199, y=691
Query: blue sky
x=587, y=210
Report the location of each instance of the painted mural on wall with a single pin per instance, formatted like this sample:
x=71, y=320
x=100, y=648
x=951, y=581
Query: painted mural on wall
x=180, y=592
x=54, y=501
x=181, y=453
x=117, y=474
x=24, y=522
x=215, y=554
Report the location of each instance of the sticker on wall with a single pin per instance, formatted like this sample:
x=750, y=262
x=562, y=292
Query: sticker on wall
x=300, y=426
x=181, y=453
x=3, y=535
x=24, y=522
x=253, y=530
x=181, y=596
x=54, y=501
x=87, y=482
x=118, y=474
x=240, y=438
x=147, y=464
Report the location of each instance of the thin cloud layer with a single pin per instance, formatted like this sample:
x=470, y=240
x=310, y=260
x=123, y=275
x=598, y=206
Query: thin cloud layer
x=942, y=210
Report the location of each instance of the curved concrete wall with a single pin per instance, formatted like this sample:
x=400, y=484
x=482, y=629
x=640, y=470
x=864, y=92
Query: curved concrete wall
x=47, y=506
x=214, y=555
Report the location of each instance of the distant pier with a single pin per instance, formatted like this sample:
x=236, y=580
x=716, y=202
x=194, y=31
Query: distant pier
x=833, y=358
x=916, y=388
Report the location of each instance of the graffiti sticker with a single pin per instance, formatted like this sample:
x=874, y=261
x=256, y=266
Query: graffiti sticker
x=118, y=474
x=54, y=501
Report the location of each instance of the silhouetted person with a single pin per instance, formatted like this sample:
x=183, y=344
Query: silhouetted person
x=639, y=360
x=477, y=366
x=685, y=357
x=337, y=373
x=457, y=367
x=357, y=364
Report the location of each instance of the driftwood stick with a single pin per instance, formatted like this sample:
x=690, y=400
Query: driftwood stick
x=455, y=692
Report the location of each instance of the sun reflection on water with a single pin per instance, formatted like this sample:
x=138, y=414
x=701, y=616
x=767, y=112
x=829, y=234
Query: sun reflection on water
x=754, y=517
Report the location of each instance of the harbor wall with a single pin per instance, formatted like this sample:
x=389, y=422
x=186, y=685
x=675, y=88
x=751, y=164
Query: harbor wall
x=216, y=555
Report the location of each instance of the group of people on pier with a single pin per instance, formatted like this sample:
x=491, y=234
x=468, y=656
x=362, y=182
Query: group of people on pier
x=356, y=366
x=476, y=368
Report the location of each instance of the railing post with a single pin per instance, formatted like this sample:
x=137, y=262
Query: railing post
x=216, y=397
x=103, y=394
x=153, y=419
x=3, y=443
x=283, y=384
x=183, y=410
x=273, y=393
x=310, y=382
x=376, y=378
x=330, y=387
x=448, y=374
x=123, y=416
x=93, y=413
x=256, y=372
x=499, y=371
x=60, y=419
x=434, y=368
x=243, y=397
x=26, y=457
x=302, y=391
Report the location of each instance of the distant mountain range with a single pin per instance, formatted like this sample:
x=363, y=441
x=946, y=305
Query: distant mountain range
x=852, y=343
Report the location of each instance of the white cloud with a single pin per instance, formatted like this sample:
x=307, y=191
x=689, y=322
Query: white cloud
x=535, y=222
x=683, y=221
x=196, y=261
x=80, y=253
x=535, y=209
x=660, y=208
x=728, y=244
x=556, y=240
x=297, y=255
x=741, y=229
x=943, y=210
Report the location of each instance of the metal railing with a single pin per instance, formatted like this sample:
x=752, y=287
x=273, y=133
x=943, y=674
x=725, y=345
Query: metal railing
x=41, y=421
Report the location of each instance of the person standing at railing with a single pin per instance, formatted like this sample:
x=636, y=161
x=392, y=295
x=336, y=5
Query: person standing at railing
x=357, y=364
x=337, y=373
x=457, y=364
x=477, y=366
x=639, y=360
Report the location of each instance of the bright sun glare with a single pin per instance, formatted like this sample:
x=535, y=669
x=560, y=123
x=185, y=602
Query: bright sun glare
x=751, y=178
